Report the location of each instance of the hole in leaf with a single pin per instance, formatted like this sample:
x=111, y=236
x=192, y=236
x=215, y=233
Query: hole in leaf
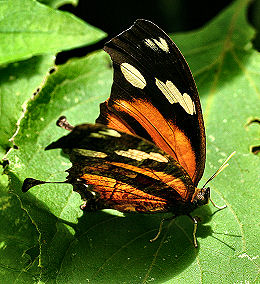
x=5, y=163
x=52, y=70
x=36, y=92
x=253, y=120
x=255, y=149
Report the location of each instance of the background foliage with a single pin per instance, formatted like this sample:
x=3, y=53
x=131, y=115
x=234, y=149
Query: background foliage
x=44, y=235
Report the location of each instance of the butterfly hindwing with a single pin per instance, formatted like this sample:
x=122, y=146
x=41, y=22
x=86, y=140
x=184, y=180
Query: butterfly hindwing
x=154, y=95
x=126, y=172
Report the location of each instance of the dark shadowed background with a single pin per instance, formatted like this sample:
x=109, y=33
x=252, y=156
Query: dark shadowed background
x=171, y=15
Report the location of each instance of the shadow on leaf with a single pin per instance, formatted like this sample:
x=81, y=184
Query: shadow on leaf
x=118, y=249
x=104, y=246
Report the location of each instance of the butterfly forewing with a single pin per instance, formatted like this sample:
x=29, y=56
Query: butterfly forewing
x=128, y=173
x=154, y=95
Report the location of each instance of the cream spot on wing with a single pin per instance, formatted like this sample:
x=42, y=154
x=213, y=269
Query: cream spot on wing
x=150, y=44
x=132, y=75
x=162, y=43
x=157, y=157
x=188, y=103
x=97, y=135
x=90, y=153
x=110, y=132
x=140, y=155
x=163, y=88
x=157, y=44
x=104, y=133
x=173, y=95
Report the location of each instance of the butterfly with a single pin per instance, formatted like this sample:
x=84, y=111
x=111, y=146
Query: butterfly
x=146, y=152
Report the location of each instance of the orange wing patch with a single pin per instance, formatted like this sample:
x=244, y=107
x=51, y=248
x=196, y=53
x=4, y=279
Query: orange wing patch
x=124, y=197
x=171, y=181
x=169, y=138
x=113, y=121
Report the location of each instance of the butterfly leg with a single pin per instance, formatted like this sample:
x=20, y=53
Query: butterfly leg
x=160, y=227
x=215, y=205
x=195, y=222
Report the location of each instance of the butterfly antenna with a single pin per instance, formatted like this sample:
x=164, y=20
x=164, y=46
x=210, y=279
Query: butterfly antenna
x=221, y=168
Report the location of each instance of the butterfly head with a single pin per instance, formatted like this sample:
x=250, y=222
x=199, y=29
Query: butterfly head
x=201, y=197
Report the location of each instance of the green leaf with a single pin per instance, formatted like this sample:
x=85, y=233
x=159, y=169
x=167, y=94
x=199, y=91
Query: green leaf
x=227, y=70
x=54, y=209
x=103, y=247
x=19, y=246
x=24, y=35
x=58, y=3
x=18, y=81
